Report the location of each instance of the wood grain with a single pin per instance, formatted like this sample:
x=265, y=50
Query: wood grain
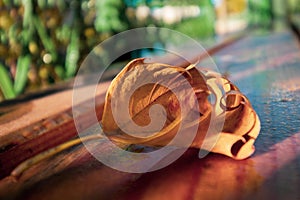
x=273, y=172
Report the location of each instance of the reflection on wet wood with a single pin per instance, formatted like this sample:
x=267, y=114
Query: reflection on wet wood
x=78, y=175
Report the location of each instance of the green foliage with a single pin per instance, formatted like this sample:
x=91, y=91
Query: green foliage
x=294, y=6
x=184, y=2
x=108, y=14
x=72, y=55
x=260, y=12
x=6, y=83
x=21, y=73
x=202, y=26
x=44, y=41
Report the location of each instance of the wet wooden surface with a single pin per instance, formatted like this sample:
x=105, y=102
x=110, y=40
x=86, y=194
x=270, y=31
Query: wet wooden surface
x=266, y=67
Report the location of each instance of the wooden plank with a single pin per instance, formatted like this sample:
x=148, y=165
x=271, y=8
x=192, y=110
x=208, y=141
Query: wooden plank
x=22, y=147
x=18, y=117
x=273, y=171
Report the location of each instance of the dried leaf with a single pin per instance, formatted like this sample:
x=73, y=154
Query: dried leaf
x=140, y=86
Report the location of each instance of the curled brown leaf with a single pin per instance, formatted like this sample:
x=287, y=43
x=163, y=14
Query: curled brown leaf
x=231, y=109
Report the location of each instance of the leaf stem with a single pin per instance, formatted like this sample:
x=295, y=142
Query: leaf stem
x=50, y=152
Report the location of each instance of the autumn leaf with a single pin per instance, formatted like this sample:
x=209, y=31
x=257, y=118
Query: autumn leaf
x=231, y=110
x=151, y=104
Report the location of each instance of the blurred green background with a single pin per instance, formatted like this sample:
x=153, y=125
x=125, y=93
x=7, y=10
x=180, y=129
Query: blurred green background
x=43, y=42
